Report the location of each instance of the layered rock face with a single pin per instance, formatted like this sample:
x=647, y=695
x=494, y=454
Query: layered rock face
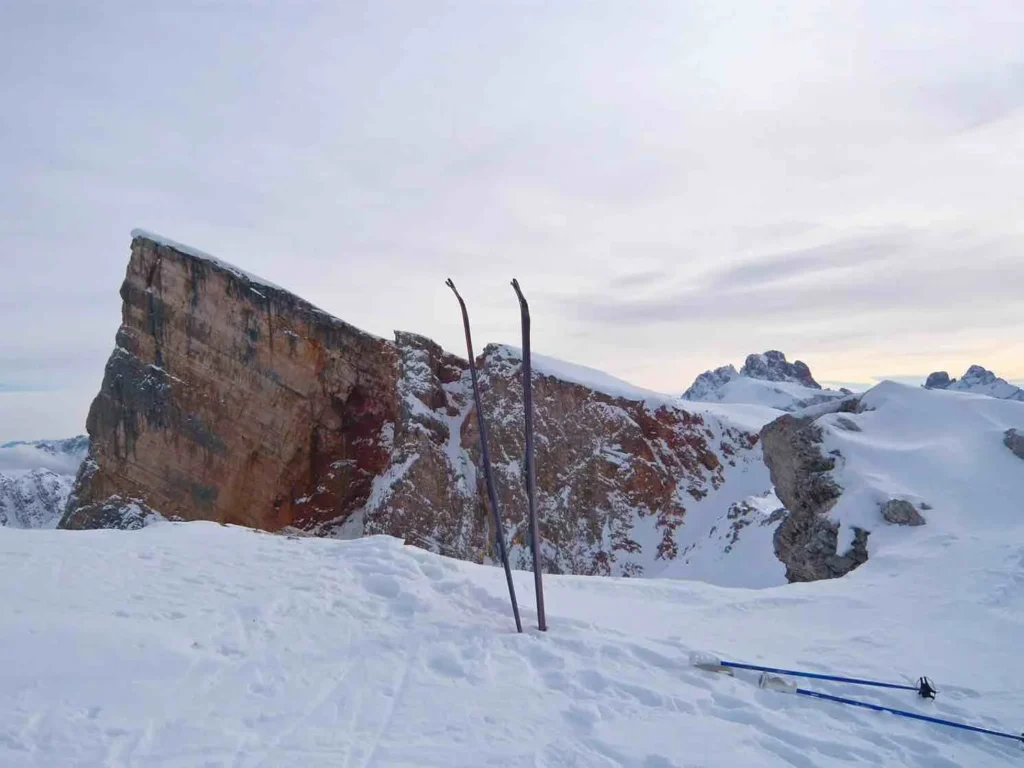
x=232, y=400
x=228, y=399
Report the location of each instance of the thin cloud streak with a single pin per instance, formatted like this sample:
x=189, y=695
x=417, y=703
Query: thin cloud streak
x=674, y=184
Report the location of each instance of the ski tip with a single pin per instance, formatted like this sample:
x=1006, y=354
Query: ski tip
x=770, y=682
x=708, y=662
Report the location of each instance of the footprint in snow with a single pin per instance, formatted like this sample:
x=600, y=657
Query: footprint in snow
x=445, y=663
x=431, y=571
x=582, y=716
x=381, y=585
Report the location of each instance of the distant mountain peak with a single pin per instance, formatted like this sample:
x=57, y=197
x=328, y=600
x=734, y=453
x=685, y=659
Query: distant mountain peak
x=36, y=478
x=765, y=379
x=773, y=366
x=978, y=380
x=709, y=382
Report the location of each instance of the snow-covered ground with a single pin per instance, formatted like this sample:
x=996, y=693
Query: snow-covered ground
x=202, y=645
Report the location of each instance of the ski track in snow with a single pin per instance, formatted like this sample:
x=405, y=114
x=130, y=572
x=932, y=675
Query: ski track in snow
x=204, y=645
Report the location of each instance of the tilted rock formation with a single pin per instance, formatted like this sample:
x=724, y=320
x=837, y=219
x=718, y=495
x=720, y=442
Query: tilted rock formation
x=232, y=400
x=807, y=540
x=228, y=399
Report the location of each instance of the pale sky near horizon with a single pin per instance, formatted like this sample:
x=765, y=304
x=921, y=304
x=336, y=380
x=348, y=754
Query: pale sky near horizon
x=675, y=184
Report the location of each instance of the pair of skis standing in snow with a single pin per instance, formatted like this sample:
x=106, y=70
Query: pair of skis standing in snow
x=531, y=476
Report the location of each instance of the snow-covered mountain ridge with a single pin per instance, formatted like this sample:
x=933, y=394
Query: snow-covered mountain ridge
x=229, y=399
x=977, y=380
x=875, y=470
x=36, y=478
x=766, y=379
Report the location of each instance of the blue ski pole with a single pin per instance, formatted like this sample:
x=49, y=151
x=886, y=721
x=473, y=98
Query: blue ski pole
x=773, y=683
x=924, y=688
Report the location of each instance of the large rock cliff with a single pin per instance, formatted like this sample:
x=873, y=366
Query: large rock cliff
x=230, y=399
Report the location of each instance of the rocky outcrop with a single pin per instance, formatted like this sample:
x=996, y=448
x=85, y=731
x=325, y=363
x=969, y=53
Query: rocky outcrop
x=978, y=380
x=807, y=540
x=232, y=400
x=772, y=366
x=115, y=512
x=1014, y=440
x=901, y=512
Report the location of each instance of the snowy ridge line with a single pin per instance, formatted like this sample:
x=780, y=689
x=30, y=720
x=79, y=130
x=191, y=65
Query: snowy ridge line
x=246, y=277
x=203, y=256
x=592, y=378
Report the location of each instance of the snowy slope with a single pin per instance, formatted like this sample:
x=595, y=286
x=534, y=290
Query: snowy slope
x=942, y=449
x=943, y=452
x=780, y=395
x=36, y=478
x=195, y=644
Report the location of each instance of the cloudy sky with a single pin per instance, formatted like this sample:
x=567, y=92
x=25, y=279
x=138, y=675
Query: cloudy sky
x=675, y=184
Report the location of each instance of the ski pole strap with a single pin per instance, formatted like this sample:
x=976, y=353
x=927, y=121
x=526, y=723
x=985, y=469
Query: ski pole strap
x=834, y=678
x=913, y=715
x=925, y=688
